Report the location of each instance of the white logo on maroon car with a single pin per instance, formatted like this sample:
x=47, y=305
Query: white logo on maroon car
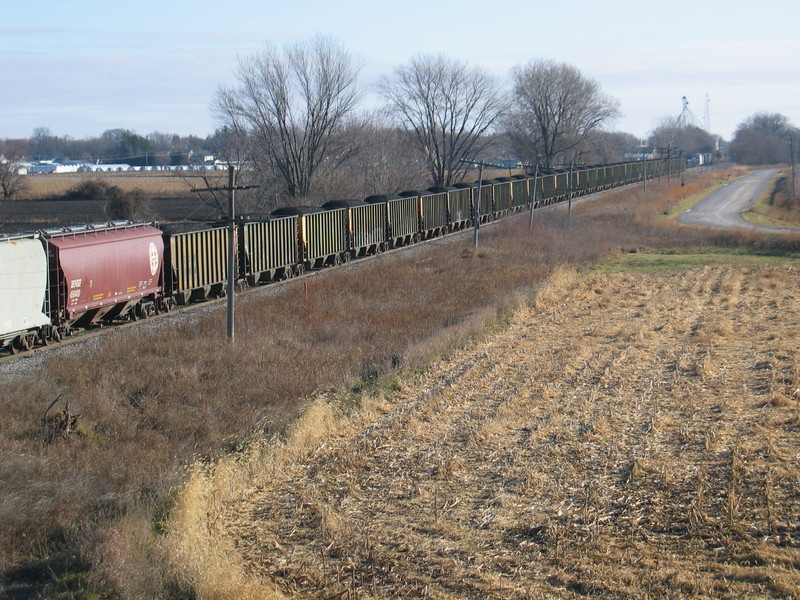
x=153, y=259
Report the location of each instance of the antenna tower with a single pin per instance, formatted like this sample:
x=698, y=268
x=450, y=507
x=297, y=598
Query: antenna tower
x=686, y=118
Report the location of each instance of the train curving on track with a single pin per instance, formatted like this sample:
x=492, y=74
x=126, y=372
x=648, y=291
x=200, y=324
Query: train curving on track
x=56, y=281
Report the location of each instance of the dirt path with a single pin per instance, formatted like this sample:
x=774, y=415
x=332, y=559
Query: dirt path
x=628, y=436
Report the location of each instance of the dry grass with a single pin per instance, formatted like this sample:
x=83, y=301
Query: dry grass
x=143, y=425
x=780, y=205
x=551, y=460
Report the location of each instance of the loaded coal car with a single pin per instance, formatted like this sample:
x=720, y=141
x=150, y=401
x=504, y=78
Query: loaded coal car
x=268, y=248
x=562, y=183
x=402, y=218
x=520, y=191
x=195, y=262
x=432, y=209
x=459, y=206
x=23, y=292
x=502, y=194
x=590, y=178
x=549, y=188
x=322, y=235
x=102, y=272
x=365, y=224
x=465, y=194
x=486, y=191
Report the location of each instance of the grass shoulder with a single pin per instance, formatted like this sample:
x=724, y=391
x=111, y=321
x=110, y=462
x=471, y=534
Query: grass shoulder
x=777, y=208
x=695, y=258
x=756, y=218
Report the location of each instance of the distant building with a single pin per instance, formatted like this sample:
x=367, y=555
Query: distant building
x=107, y=168
x=641, y=153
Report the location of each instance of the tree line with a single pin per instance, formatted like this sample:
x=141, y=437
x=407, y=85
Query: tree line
x=292, y=123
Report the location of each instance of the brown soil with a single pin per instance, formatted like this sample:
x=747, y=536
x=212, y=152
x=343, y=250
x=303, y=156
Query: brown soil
x=627, y=436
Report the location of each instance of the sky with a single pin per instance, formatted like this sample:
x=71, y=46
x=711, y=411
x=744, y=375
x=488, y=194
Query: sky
x=80, y=68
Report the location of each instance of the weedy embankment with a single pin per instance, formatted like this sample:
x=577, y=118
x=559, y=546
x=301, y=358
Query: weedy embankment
x=151, y=404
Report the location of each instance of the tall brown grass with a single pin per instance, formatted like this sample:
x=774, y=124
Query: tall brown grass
x=152, y=402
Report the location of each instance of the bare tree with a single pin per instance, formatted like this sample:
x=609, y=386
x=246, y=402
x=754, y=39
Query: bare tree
x=763, y=138
x=386, y=159
x=290, y=104
x=556, y=109
x=604, y=147
x=11, y=182
x=675, y=136
x=449, y=106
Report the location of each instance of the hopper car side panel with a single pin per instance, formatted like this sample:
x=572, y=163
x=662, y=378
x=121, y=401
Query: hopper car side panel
x=403, y=221
x=324, y=235
x=367, y=228
x=502, y=198
x=460, y=207
x=23, y=287
x=487, y=201
x=197, y=264
x=434, y=214
x=520, y=194
x=268, y=249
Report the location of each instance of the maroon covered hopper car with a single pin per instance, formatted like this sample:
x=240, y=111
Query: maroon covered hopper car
x=103, y=272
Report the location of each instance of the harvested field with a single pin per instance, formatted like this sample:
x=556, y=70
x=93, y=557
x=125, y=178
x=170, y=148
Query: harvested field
x=159, y=185
x=627, y=436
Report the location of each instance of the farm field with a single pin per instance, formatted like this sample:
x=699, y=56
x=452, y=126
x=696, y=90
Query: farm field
x=628, y=435
x=41, y=205
x=163, y=184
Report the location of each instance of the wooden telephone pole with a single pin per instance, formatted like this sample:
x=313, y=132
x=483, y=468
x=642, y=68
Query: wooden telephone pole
x=231, y=190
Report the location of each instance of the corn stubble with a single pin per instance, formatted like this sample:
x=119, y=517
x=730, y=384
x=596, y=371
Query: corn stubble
x=625, y=436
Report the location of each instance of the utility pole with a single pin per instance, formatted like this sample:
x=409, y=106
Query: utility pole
x=477, y=211
x=231, y=189
x=533, y=195
x=794, y=165
x=644, y=160
x=569, y=190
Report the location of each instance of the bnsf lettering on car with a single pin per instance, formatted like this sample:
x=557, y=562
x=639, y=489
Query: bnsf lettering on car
x=75, y=283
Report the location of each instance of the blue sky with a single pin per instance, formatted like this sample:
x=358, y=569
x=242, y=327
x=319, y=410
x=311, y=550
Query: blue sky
x=80, y=68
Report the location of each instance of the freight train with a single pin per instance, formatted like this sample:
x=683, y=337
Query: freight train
x=55, y=281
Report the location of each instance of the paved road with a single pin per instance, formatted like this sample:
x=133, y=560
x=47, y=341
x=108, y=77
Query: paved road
x=723, y=207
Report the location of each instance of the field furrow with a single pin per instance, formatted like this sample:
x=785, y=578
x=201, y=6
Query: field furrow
x=626, y=436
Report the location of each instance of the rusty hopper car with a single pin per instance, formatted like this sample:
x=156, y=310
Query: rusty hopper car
x=104, y=271
x=196, y=262
x=23, y=292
